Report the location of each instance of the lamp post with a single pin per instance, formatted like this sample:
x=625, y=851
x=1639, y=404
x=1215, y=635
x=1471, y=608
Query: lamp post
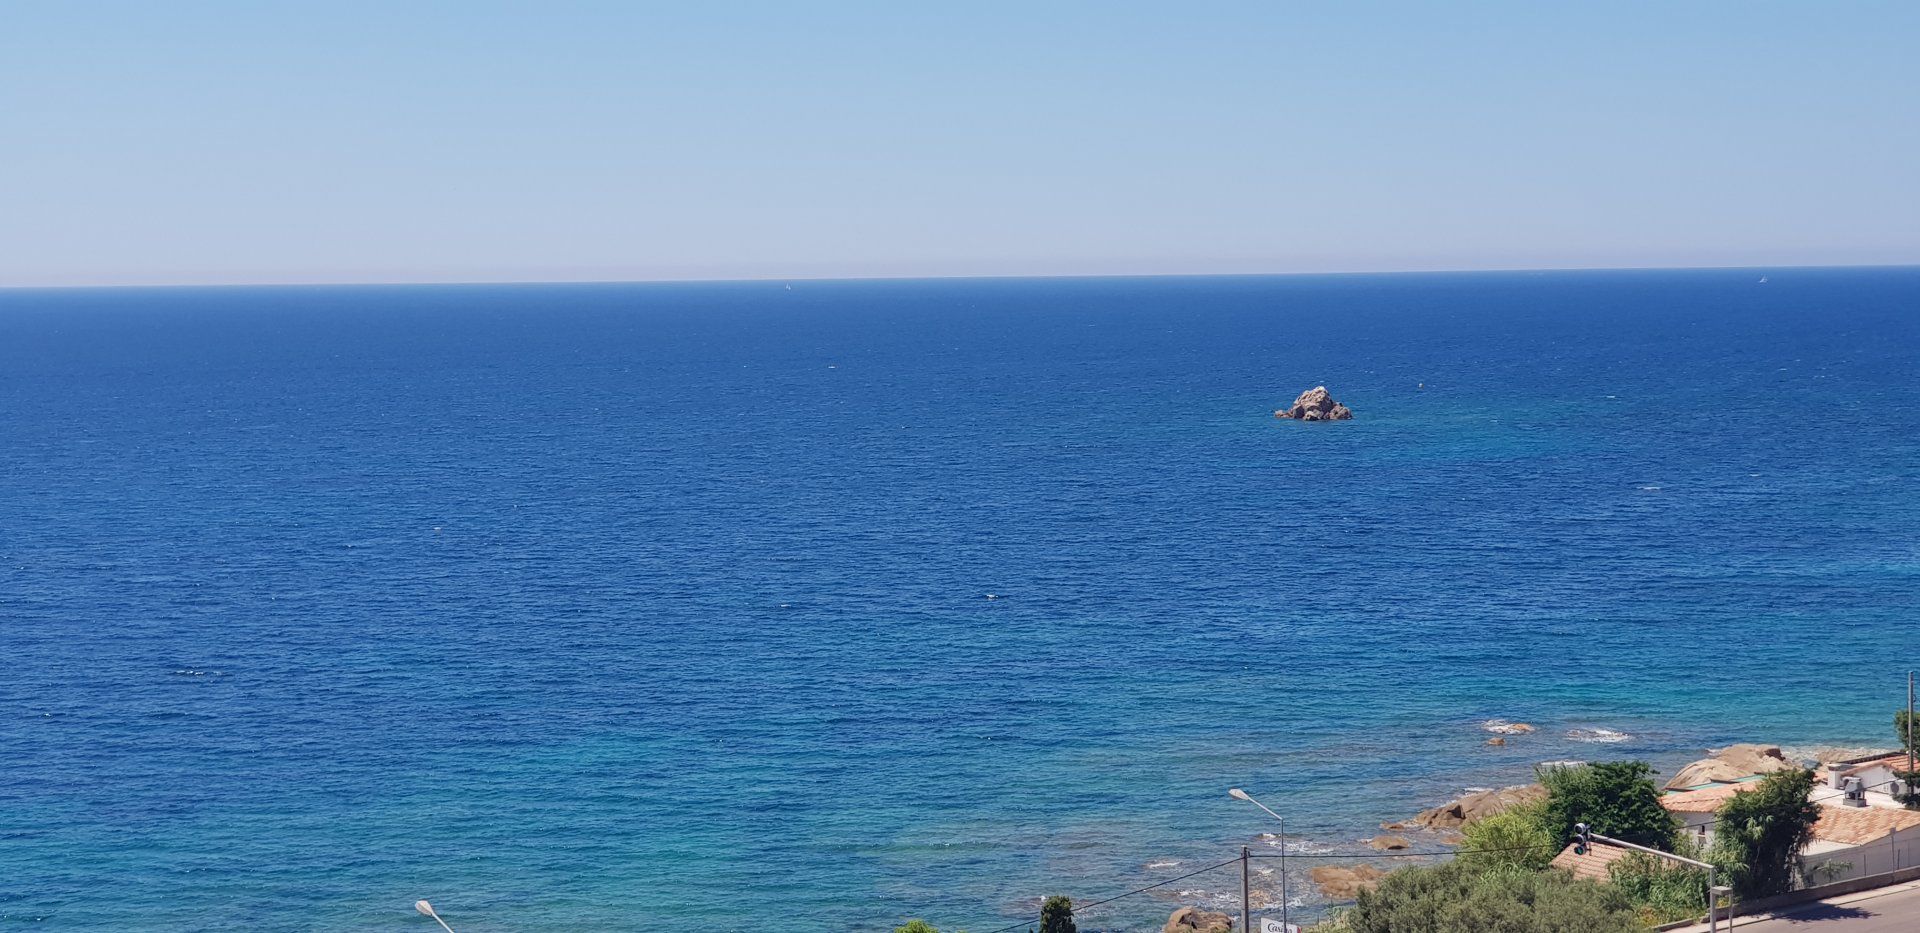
x=427, y=909
x=1238, y=794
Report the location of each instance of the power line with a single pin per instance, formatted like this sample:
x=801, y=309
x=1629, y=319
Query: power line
x=1370, y=855
x=1028, y=923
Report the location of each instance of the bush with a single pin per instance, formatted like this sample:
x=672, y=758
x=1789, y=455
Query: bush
x=1516, y=837
x=1455, y=898
x=1615, y=798
x=1664, y=892
x=1761, y=832
x=1056, y=915
x=916, y=926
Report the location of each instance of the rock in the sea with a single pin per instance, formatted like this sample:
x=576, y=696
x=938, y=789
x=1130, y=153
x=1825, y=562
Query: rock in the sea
x=1195, y=920
x=1731, y=764
x=1496, y=740
x=1390, y=843
x=1345, y=883
x=1503, y=727
x=1316, y=404
x=1476, y=807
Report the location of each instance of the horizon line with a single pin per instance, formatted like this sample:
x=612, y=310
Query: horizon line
x=957, y=277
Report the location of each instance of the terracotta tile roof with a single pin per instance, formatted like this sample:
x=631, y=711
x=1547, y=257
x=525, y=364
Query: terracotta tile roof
x=1596, y=865
x=1897, y=761
x=1702, y=800
x=1857, y=826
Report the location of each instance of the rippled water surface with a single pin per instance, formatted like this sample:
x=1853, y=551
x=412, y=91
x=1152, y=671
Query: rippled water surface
x=701, y=606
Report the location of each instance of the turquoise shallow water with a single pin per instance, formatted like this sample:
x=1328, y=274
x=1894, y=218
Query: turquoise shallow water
x=641, y=607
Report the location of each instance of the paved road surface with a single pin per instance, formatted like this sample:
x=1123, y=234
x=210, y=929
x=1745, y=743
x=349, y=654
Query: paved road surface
x=1898, y=912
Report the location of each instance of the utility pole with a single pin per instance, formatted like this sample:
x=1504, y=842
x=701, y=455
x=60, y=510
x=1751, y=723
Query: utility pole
x=1713, y=877
x=1246, y=889
x=1910, y=768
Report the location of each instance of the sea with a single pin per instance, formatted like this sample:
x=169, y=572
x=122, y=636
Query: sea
x=819, y=605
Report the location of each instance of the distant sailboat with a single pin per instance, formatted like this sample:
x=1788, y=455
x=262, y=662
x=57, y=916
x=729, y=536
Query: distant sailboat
x=1763, y=281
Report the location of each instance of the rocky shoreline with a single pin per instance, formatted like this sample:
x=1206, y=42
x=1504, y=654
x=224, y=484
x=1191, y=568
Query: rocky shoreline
x=1441, y=825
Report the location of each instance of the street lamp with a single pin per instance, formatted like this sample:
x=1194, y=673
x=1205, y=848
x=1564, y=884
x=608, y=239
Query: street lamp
x=1238, y=794
x=427, y=909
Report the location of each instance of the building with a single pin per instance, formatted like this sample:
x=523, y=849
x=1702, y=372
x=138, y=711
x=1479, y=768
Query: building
x=1863, y=830
x=1596, y=865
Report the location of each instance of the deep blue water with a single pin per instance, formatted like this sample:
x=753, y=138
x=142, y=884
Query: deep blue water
x=666, y=606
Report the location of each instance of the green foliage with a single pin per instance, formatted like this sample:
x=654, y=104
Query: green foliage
x=1761, y=832
x=1056, y=915
x=1455, y=898
x=1910, y=794
x=1827, y=871
x=1664, y=892
x=1517, y=837
x=1616, y=798
x=916, y=926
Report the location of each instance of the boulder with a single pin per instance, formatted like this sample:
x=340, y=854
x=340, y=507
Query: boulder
x=1496, y=740
x=1390, y=843
x=1195, y=920
x=1344, y=883
x=1731, y=764
x=1478, y=806
x=1502, y=727
x=1316, y=404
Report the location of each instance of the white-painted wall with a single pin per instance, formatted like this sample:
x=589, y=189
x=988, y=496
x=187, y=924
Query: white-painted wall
x=1901, y=850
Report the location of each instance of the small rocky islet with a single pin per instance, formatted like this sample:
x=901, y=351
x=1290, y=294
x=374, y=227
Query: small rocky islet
x=1316, y=404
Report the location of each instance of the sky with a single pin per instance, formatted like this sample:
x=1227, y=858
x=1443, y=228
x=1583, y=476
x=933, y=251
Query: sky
x=202, y=142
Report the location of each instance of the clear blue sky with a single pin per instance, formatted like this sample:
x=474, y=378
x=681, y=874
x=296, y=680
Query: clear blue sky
x=469, y=141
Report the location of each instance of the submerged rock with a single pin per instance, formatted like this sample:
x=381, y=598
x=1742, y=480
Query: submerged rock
x=1345, y=883
x=1503, y=727
x=1476, y=807
x=1731, y=764
x=1195, y=920
x=1316, y=404
x=1390, y=843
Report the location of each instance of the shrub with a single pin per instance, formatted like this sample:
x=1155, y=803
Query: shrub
x=1615, y=798
x=1455, y=898
x=1761, y=832
x=1664, y=892
x=1516, y=837
x=916, y=926
x=1056, y=915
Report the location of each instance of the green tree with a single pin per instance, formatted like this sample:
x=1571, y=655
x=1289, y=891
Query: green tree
x=1615, y=798
x=1760, y=833
x=1455, y=898
x=1516, y=837
x=916, y=926
x=1909, y=733
x=1056, y=915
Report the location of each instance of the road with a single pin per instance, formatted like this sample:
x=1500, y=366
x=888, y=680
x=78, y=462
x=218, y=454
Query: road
x=1894, y=912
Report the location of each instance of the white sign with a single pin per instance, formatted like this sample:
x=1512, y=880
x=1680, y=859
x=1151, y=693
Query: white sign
x=1274, y=926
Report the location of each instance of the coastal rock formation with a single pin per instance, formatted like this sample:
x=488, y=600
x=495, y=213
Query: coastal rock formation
x=1316, y=404
x=1478, y=806
x=1496, y=740
x=1503, y=727
x=1195, y=920
x=1345, y=883
x=1390, y=843
x=1731, y=764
